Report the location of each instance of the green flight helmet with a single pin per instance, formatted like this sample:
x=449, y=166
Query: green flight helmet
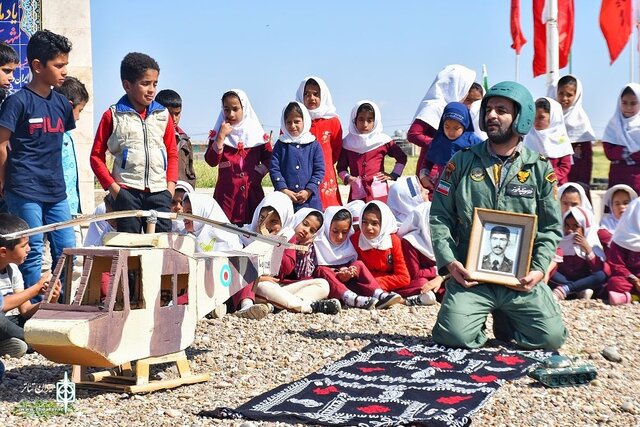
x=520, y=95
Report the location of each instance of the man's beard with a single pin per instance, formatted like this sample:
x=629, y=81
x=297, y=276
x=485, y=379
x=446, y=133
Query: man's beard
x=501, y=137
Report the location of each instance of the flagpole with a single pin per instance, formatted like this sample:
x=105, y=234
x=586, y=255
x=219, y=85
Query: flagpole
x=517, y=68
x=553, y=43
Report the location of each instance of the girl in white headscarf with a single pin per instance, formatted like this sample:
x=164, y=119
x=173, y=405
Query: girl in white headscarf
x=240, y=148
x=572, y=194
x=405, y=195
x=548, y=136
x=294, y=288
x=569, y=95
x=349, y=279
x=274, y=215
x=616, y=199
x=452, y=84
x=297, y=164
x=379, y=248
x=208, y=238
x=325, y=126
x=621, y=139
x=418, y=255
x=624, y=257
x=581, y=267
x=361, y=164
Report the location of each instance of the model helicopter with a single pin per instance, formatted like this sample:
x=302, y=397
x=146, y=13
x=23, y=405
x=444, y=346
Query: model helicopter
x=139, y=298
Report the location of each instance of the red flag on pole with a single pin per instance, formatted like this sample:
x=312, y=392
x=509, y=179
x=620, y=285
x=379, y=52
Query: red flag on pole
x=615, y=23
x=516, y=30
x=565, y=33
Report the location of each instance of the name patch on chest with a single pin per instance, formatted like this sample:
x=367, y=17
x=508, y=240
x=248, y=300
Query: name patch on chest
x=519, y=190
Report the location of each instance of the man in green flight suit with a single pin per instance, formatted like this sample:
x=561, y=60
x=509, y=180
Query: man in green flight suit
x=500, y=174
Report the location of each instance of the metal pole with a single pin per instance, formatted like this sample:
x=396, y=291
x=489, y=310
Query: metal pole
x=553, y=43
x=517, y=67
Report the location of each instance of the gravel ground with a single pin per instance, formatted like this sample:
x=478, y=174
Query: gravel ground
x=246, y=358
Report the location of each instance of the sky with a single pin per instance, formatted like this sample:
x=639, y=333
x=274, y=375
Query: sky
x=385, y=51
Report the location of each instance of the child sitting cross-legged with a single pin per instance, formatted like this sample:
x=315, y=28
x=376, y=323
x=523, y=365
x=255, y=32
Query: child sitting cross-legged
x=581, y=267
x=294, y=288
x=13, y=252
x=349, y=279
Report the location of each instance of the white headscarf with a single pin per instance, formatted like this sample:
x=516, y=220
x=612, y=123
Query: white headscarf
x=355, y=208
x=305, y=136
x=552, y=142
x=328, y=253
x=404, y=195
x=363, y=143
x=584, y=200
x=624, y=131
x=326, y=109
x=209, y=238
x=177, y=225
x=575, y=118
x=184, y=186
x=474, y=112
x=452, y=84
x=299, y=216
x=609, y=221
x=627, y=234
x=281, y=203
x=388, y=226
x=249, y=131
x=415, y=229
x=584, y=217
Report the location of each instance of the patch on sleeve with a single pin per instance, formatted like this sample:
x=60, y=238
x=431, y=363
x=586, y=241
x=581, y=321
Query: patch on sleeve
x=443, y=187
x=551, y=177
x=523, y=176
x=448, y=170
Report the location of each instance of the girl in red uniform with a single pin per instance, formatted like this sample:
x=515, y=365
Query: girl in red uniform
x=581, y=267
x=624, y=257
x=361, y=163
x=325, y=126
x=240, y=149
x=581, y=135
x=549, y=137
x=621, y=139
x=418, y=254
x=380, y=249
x=349, y=279
x=616, y=199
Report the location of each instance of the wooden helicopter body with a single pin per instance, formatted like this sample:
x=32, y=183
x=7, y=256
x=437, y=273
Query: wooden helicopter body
x=139, y=299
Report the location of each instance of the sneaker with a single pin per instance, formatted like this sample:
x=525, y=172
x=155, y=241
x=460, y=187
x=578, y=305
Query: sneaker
x=586, y=294
x=326, y=306
x=619, y=298
x=558, y=292
x=421, y=299
x=390, y=299
x=255, y=312
x=369, y=304
x=13, y=347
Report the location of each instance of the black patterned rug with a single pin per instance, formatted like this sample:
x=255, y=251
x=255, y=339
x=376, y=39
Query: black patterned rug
x=388, y=384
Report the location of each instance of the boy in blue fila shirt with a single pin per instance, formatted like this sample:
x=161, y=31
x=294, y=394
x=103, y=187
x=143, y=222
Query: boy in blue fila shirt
x=33, y=121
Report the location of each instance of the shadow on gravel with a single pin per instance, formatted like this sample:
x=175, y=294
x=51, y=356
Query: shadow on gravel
x=33, y=382
x=373, y=337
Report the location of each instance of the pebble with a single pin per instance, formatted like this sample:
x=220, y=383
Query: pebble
x=596, y=383
x=628, y=406
x=173, y=413
x=611, y=354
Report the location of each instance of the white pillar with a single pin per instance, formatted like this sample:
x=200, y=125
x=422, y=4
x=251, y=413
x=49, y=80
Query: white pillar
x=77, y=28
x=553, y=42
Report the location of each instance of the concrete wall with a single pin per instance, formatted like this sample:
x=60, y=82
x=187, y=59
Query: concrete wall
x=72, y=18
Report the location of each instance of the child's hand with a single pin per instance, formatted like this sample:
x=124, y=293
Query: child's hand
x=427, y=183
x=352, y=179
x=293, y=196
x=303, y=196
x=432, y=285
x=43, y=283
x=382, y=176
x=268, y=279
x=581, y=241
x=55, y=294
x=225, y=129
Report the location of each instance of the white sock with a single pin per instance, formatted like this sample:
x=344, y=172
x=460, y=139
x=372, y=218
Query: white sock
x=246, y=303
x=378, y=293
x=349, y=298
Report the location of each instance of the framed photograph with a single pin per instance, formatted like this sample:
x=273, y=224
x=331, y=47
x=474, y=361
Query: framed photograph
x=500, y=246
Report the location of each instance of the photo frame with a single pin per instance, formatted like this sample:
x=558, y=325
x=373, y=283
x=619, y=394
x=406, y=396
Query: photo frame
x=500, y=246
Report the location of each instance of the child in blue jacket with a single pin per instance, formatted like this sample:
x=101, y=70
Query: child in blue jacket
x=297, y=163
